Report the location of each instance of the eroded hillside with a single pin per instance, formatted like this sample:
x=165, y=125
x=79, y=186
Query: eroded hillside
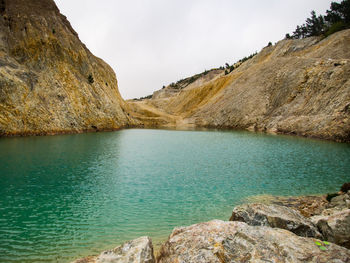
x=49, y=81
x=296, y=87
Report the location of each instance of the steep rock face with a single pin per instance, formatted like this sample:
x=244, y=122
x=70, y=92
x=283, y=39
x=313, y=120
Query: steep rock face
x=296, y=87
x=219, y=241
x=275, y=216
x=44, y=75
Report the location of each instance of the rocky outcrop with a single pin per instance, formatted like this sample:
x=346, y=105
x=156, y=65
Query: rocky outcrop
x=335, y=227
x=331, y=221
x=307, y=205
x=49, y=81
x=256, y=233
x=334, y=222
x=341, y=201
x=219, y=241
x=275, y=216
x=295, y=87
x=136, y=251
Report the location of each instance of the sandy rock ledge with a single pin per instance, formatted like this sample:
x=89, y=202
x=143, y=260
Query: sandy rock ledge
x=275, y=216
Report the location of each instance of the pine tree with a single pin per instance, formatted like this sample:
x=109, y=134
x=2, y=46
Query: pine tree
x=337, y=18
x=340, y=12
x=314, y=25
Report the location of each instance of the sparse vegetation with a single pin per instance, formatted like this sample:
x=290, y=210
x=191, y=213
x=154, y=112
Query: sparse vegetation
x=182, y=83
x=335, y=28
x=228, y=69
x=143, y=98
x=247, y=58
x=336, y=19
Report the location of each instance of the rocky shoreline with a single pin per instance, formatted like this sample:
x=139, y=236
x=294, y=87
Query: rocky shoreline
x=50, y=83
x=287, y=229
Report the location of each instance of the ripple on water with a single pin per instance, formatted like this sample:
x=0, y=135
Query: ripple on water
x=64, y=197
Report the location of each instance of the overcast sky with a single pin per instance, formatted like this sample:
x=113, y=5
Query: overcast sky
x=151, y=43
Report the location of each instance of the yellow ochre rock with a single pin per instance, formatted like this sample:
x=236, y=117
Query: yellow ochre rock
x=297, y=87
x=49, y=81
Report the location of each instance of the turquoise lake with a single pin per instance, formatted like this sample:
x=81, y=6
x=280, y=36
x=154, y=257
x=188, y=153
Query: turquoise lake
x=64, y=197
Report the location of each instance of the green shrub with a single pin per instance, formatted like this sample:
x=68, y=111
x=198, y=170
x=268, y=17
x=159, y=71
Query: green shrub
x=337, y=18
x=335, y=28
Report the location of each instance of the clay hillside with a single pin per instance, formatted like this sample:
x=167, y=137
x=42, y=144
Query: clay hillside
x=297, y=86
x=49, y=81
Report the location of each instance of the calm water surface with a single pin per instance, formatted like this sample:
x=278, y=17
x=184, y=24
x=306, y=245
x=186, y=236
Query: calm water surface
x=63, y=197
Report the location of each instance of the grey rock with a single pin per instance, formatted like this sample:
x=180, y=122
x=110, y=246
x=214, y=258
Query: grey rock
x=340, y=201
x=218, y=241
x=275, y=216
x=335, y=227
x=347, y=202
x=139, y=250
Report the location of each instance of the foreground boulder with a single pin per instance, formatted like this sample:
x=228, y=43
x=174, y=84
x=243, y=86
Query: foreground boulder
x=137, y=251
x=335, y=227
x=219, y=241
x=275, y=216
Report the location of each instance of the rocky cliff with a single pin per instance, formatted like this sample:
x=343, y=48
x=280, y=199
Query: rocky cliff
x=296, y=87
x=49, y=81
